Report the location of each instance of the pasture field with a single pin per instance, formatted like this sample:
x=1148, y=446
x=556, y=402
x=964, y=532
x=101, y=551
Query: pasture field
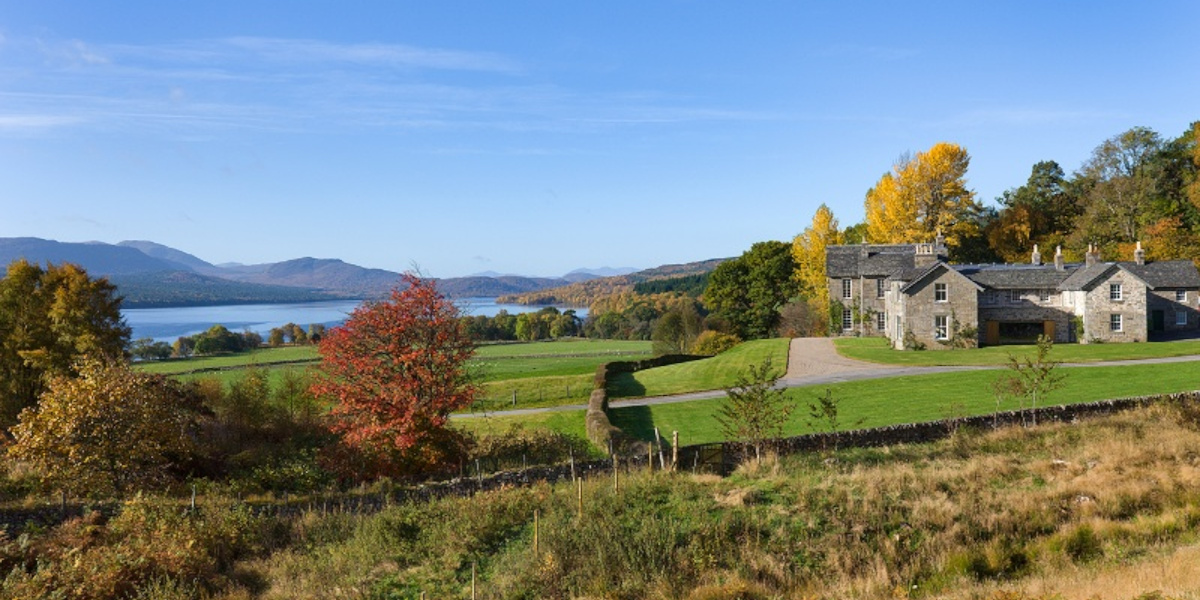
x=260, y=357
x=875, y=350
x=714, y=373
x=569, y=422
x=913, y=399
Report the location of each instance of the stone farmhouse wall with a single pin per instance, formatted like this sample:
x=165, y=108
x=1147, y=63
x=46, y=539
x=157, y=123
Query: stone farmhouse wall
x=864, y=302
x=1164, y=300
x=1099, y=307
x=919, y=309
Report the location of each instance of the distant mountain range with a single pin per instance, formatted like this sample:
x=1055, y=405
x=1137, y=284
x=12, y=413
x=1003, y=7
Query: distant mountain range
x=149, y=274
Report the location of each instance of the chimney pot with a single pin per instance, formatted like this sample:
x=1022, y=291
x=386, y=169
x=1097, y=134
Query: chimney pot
x=1037, y=256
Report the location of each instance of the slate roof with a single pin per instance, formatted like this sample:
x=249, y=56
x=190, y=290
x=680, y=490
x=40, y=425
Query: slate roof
x=1009, y=277
x=1166, y=273
x=924, y=272
x=880, y=260
x=897, y=263
x=1085, y=275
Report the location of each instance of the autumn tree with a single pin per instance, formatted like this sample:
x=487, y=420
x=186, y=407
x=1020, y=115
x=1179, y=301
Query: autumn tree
x=49, y=318
x=922, y=195
x=808, y=253
x=110, y=430
x=394, y=372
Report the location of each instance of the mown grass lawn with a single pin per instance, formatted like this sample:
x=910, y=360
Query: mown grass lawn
x=875, y=350
x=717, y=372
x=914, y=399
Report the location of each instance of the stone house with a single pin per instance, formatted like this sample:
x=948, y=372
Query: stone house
x=913, y=295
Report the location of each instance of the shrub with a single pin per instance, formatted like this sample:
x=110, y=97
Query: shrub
x=1083, y=545
x=711, y=343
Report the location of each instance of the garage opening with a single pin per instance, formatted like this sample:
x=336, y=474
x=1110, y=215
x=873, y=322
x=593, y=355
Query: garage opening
x=1021, y=332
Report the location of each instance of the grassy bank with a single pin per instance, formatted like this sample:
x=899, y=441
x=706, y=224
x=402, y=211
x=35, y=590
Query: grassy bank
x=875, y=350
x=713, y=373
x=914, y=399
x=1068, y=511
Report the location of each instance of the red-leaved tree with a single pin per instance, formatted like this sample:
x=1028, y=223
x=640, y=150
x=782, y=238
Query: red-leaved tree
x=395, y=371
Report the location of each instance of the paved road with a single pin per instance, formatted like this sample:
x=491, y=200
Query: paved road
x=814, y=361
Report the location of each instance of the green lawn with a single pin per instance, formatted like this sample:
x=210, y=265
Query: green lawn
x=497, y=361
x=534, y=392
x=260, y=357
x=875, y=350
x=713, y=373
x=913, y=399
x=572, y=346
x=569, y=422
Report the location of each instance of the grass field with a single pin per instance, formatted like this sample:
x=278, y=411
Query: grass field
x=875, y=350
x=914, y=399
x=260, y=357
x=569, y=422
x=709, y=374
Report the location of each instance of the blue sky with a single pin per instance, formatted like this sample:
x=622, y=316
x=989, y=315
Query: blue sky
x=537, y=137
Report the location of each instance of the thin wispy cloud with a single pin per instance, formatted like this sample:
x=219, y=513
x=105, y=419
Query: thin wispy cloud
x=35, y=122
x=290, y=85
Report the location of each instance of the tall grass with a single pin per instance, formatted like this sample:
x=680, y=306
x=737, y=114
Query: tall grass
x=1056, y=511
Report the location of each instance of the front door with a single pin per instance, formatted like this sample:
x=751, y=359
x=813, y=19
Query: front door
x=1156, y=321
x=991, y=335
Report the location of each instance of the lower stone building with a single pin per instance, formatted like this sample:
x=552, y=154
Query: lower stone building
x=912, y=295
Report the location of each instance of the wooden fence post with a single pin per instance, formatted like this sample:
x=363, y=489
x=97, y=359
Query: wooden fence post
x=616, y=486
x=650, y=457
x=535, y=532
x=472, y=581
x=579, y=495
x=674, y=450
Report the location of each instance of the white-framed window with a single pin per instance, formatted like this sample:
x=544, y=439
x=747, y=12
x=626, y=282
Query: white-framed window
x=846, y=289
x=1044, y=296
x=1115, y=323
x=881, y=322
x=879, y=290
x=1181, y=317
x=1014, y=296
x=1115, y=294
x=847, y=320
x=941, y=327
x=1181, y=295
x=940, y=293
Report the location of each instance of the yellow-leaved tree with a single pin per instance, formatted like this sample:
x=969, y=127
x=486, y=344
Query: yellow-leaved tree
x=808, y=252
x=111, y=430
x=923, y=195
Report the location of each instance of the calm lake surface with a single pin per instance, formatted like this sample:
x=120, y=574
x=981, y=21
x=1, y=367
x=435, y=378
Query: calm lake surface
x=167, y=324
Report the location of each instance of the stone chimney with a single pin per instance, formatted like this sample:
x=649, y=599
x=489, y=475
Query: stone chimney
x=1093, y=255
x=1139, y=255
x=926, y=255
x=1060, y=264
x=1037, y=256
